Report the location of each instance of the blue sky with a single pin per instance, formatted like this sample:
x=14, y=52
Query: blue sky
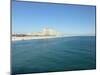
x=65, y=18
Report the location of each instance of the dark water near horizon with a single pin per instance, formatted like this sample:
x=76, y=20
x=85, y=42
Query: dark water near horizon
x=52, y=55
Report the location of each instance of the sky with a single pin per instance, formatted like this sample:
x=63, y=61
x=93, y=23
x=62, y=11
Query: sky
x=65, y=18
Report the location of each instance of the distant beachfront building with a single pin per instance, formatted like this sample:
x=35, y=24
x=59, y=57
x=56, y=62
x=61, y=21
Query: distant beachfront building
x=48, y=32
x=45, y=32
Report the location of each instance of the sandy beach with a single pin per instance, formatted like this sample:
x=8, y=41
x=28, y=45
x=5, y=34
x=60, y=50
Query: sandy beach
x=30, y=38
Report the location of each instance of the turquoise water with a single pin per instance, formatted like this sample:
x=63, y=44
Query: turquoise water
x=50, y=55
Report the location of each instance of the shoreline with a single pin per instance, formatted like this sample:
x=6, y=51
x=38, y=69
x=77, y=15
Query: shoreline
x=30, y=38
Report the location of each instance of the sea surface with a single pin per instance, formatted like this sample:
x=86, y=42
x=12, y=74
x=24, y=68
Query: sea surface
x=54, y=54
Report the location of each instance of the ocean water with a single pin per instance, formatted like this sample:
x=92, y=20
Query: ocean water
x=52, y=55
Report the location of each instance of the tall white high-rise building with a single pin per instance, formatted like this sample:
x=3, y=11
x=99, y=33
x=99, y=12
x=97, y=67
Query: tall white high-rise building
x=48, y=31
